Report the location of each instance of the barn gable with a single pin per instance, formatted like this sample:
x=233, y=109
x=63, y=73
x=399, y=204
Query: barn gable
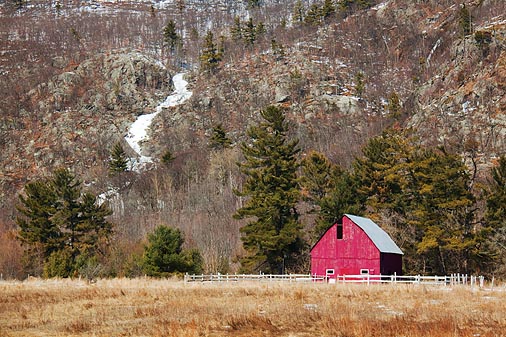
x=379, y=237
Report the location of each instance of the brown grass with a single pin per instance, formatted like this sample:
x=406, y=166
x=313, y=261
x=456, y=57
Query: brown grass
x=144, y=307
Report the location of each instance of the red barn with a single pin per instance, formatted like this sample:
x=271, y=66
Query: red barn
x=354, y=246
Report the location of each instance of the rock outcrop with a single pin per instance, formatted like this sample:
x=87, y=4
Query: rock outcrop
x=78, y=114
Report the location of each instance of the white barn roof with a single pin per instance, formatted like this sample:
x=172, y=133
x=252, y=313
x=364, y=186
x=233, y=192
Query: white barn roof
x=379, y=237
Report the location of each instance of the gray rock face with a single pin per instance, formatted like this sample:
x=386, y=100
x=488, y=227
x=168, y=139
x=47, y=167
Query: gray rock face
x=80, y=113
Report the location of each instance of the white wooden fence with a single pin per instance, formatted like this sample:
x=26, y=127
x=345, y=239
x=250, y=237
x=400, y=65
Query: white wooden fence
x=453, y=279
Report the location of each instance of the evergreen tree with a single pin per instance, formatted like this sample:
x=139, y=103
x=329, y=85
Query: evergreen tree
x=170, y=36
x=249, y=32
x=59, y=220
x=493, y=233
x=18, y=4
x=313, y=16
x=38, y=206
x=427, y=193
x=260, y=30
x=277, y=50
x=341, y=199
x=348, y=6
x=164, y=256
x=383, y=170
x=219, y=139
x=465, y=20
x=210, y=57
x=495, y=214
x=359, y=84
x=316, y=180
x=394, y=105
x=443, y=208
x=254, y=3
x=364, y=4
x=298, y=13
x=329, y=189
x=345, y=6
x=168, y=157
x=328, y=9
x=273, y=239
x=119, y=160
x=236, y=29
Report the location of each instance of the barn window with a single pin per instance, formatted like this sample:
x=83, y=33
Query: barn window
x=339, y=231
x=329, y=272
x=364, y=271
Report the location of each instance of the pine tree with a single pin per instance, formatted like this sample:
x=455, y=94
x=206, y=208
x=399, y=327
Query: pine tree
x=219, y=139
x=18, y=4
x=260, y=30
x=67, y=216
x=313, y=16
x=359, y=84
x=443, y=208
x=345, y=6
x=329, y=189
x=298, y=13
x=493, y=232
x=465, y=20
x=236, y=29
x=495, y=214
x=316, y=180
x=249, y=32
x=254, y=3
x=210, y=57
x=328, y=9
x=341, y=199
x=38, y=206
x=119, y=160
x=364, y=4
x=394, y=105
x=58, y=221
x=164, y=256
x=277, y=50
x=427, y=193
x=273, y=239
x=168, y=157
x=170, y=36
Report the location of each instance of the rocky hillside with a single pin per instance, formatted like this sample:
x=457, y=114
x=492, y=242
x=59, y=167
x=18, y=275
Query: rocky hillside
x=77, y=114
x=68, y=104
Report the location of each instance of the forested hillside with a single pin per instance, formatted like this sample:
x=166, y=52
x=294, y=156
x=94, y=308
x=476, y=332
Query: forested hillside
x=295, y=113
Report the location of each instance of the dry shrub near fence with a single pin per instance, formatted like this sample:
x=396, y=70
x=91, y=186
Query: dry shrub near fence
x=173, y=308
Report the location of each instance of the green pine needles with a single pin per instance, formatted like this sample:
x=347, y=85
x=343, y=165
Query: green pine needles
x=62, y=227
x=118, y=162
x=273, y=238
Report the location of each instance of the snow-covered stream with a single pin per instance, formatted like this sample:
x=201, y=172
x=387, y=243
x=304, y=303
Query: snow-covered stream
x=138, y=132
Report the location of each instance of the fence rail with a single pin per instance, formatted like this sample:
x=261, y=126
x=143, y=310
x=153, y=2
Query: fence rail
x=453, y=279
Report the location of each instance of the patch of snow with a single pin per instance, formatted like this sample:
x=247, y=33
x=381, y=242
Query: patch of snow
x=433, y=50
x=138, y=131
x=381, y=5
x=103, y=197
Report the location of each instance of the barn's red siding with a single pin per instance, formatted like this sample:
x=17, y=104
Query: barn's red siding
x=351, y=254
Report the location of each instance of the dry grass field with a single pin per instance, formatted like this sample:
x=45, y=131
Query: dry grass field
x=145, y=307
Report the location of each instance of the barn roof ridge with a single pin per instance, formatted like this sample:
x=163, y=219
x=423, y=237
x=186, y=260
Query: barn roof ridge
x=378, y=236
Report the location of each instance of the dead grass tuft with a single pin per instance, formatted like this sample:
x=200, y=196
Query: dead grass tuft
x=252, y=322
